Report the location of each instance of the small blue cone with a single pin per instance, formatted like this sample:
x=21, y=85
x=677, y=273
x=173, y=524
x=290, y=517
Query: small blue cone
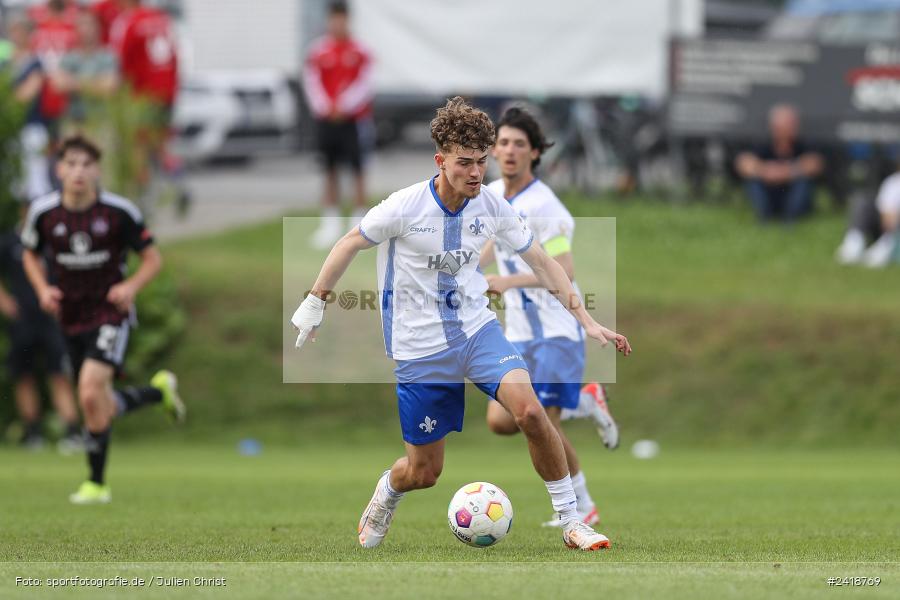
x=249, y=447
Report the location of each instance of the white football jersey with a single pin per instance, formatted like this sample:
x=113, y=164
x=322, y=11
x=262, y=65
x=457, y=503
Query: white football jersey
x=535, y=313
x=430, y=287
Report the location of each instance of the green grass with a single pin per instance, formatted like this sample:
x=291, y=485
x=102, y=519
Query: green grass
x=711, y=523
x=715, y=524
x=767, y=372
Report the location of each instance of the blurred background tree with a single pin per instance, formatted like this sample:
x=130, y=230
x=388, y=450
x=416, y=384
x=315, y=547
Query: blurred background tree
x=12, y=116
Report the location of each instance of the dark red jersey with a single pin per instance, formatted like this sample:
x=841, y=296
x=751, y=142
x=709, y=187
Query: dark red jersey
x=86, y=253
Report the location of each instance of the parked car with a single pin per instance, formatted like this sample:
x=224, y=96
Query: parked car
x=235, y=115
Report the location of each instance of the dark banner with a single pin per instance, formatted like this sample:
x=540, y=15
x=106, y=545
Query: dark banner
x=724, y=88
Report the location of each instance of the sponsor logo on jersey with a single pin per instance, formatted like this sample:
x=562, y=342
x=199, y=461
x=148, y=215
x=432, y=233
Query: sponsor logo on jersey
x=509, y=358
x=81, y=257
x=451, y=261
x=80, y=243
x=415, y=229
x=60, y=230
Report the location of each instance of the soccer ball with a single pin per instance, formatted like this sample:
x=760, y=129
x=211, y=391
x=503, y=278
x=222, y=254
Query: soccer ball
x=480, y=514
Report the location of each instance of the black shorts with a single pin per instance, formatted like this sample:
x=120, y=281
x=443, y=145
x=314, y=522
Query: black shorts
x=33, y=339
x=339, y=142
x=107, y=344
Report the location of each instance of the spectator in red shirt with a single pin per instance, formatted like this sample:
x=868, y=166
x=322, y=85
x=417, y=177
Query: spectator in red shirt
x=53, y=9
x=337, y=79
x=55, y=34
x=145, y=43
x=142, y=37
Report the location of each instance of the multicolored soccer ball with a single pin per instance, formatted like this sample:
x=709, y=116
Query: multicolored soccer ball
x=480, y=514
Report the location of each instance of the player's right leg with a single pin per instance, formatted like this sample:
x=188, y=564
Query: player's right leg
x=108, y=345
x=419, y=469
x=431, y=403
x=98, y=406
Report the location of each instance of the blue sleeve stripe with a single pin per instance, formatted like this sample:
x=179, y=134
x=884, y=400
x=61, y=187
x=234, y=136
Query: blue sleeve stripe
x=526, y=246
x=363, y=233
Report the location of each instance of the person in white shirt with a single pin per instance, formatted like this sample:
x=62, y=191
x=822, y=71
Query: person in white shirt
x=545, y=334
x=436, y=323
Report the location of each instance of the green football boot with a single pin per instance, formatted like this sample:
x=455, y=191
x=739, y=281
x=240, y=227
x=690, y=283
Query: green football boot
x=167, y=384
x=91, y=493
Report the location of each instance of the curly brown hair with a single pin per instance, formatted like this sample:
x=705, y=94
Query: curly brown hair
x=458, y=123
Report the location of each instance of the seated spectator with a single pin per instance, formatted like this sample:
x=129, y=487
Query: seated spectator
x=886, y=248
x=779, y=173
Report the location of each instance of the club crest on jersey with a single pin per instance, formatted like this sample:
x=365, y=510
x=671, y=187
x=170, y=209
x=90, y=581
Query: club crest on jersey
x=100, y=227
x=80, y=242
x=451, y=261
x=477, y=227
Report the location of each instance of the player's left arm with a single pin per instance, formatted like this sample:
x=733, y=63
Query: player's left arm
x=122, y=294
x=559, y=249
x=553, y=276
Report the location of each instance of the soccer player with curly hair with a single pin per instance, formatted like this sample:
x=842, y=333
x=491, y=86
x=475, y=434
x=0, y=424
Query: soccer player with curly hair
x=436, y=323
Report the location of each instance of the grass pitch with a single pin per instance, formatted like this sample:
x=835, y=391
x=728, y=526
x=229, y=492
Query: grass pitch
x=725, y=524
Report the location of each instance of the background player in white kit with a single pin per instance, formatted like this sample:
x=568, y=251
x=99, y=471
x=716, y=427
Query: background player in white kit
x=436, y=323
x=547, y=336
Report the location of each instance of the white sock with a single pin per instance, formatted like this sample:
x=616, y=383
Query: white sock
x=585, y=403
x=393, y=496
x=562, y=495
x=583, y=497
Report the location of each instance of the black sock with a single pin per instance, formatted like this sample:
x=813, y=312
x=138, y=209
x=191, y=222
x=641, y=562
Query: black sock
x=133, y=398
x=97, y=448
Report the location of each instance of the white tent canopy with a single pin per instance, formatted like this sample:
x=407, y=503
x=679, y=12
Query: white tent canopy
x=516, y=47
